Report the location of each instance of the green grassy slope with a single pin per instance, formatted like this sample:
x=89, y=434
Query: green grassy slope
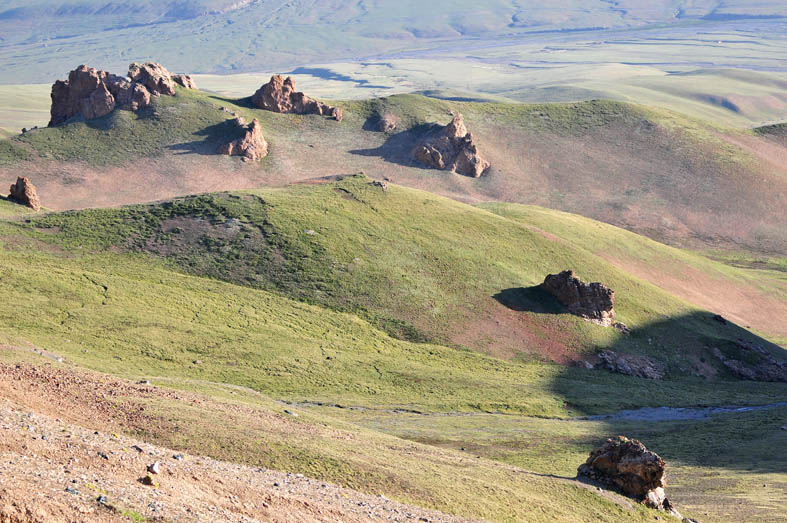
x=658, y=173
x=417, y=265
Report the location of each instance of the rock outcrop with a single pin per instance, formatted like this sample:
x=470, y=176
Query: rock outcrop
x=760, y=365
x=185, y=80
x=24, y=192
x=251, y=146
x=387, y=123
x=629, y=466
x=453, y=149
x=93, y=93
x=632, y=365
x=279, y=95
x=592, y=301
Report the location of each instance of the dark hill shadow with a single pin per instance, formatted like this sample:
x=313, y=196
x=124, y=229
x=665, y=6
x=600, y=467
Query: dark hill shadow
x=398, y=148
x=214, y=136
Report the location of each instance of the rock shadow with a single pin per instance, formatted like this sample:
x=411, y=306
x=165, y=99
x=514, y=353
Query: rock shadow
x=398, y=148
x=529, y=299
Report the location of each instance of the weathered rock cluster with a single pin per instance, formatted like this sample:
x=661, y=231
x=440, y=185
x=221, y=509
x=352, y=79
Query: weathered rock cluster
x=626, y=464
x=632, y=365
x=93, y=93
x=766, y=368
x=593, y=301
x=251, y=146
x=280, y=96
x=453, y=149
x=24, y=192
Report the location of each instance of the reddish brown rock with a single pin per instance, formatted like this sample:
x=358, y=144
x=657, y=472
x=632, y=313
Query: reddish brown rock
x=592, y=301
x=453, y=149
x=251, y=146
x=24, y=192
x=92, y=93
x=629, y=466
x=153, y=76
x=387, y=123
x=185, y=80
x=279, y=95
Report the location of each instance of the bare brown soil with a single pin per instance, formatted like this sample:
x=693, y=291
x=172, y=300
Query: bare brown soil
x=45, y=449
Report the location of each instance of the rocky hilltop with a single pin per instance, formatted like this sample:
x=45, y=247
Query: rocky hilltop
x=452, y=149
x=93, y=93
x=280, y=96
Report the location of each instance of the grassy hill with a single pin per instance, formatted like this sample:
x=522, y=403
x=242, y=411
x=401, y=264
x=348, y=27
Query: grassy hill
x=677, y=180
x=312, y=272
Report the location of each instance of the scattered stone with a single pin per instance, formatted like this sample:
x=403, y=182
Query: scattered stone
x=149, y=480
x=453, y=149
x=197, y=362
x=387, y=123
x=632, y=365
x=103, y=455
x=102, y=500
x=629, y=466
x=24, y=192
x=279, y=95
x=721, y=319
x=251, y=146
x=178, y=457
x=143, y=382
x=71, y=490
x=381, y=184
x=185, y=81
x=93, y=93
x=291, y=413
x=765, y=368
x=155, y=468
x=593, y=301
x=137, y=448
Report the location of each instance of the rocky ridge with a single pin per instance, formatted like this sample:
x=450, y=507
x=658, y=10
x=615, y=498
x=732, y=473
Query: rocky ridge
x=453, y=149
x=94, y=93
x=593, y=301
x=767, y=368
x=280, y=96
x=24, y=192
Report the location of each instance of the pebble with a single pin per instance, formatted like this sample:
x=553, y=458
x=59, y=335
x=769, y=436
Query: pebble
x=178, y=457
x=154, y=468
x=102, y=500
x=291, y=413
x=103, y=455
x=72, y=490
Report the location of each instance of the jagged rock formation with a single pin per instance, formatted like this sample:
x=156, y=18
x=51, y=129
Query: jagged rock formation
x=24, y=192
x=453, y=150
x=632, y=365
x=251, y=146
x=185, y=80
x=767, y=367
x=593, y=301
x=629, y=466
x=93, y=93
x=153, y=76
x=279, y=95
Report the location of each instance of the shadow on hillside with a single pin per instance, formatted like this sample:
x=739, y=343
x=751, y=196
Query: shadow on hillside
x=530, y=299
x=398, y=148
x=213, y=137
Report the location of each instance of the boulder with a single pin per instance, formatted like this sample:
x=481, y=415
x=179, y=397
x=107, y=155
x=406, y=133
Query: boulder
x=24, y=192
x=279, y=95
x=592, y=301
x=632, y=365
x=251, y=146
x=153, y=76
x=387, y=123
x=627, y=465
x=185, y=80
x=92, y=93
x=452, y=149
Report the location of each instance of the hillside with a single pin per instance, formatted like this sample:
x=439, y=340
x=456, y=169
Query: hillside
x=105, y=290
x=674, y=179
